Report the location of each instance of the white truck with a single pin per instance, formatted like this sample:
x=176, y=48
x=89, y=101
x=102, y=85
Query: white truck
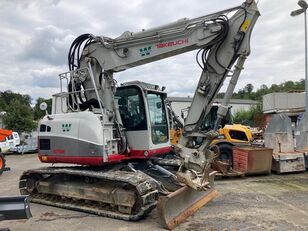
x=9, y=142
x=28, y=144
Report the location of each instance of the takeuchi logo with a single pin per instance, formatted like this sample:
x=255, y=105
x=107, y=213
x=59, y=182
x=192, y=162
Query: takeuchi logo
x=66, y=127
x=172, y=43
x=145, y=51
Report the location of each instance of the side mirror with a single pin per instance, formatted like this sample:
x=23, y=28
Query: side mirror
x=43, y=106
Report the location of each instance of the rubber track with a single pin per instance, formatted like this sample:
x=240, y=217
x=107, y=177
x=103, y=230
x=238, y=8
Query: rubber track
x=143, y=184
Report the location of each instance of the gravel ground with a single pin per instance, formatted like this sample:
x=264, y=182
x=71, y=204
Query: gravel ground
x=275, y=202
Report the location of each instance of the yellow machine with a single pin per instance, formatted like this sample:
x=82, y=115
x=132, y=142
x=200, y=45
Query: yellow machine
x=230, y=134
x=175, y=135
x=236, y=133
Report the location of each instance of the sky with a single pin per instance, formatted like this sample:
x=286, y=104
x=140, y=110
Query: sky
x=36, y=35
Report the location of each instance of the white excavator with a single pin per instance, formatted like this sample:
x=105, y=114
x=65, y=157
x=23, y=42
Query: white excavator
x=116, y=138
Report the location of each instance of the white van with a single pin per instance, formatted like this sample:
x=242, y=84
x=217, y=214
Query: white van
x=9, y=142
x=28, y=144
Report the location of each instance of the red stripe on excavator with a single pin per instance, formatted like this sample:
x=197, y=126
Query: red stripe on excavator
x=143, y=154
x=99, y=160
x=83, y=160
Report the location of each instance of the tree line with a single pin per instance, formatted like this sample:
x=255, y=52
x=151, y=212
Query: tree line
x=17, y=112
x=248, y=91
x=253, y=117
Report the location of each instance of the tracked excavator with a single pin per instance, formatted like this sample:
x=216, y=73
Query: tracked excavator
x=116, y=137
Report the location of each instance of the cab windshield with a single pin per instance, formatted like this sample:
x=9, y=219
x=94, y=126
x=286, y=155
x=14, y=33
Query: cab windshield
x=210, y=119
x=158, y=118
x=131, y=107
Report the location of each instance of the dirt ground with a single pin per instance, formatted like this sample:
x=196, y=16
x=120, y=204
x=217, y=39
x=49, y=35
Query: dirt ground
x=276, y=202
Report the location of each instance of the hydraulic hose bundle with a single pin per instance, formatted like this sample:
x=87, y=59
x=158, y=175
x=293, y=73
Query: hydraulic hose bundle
x=76, y=50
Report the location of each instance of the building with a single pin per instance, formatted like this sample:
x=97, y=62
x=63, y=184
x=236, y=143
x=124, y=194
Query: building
x=289, y=103
x=181, y=103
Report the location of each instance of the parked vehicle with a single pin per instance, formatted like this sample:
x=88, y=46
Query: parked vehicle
x=28, y=145
x=9, y=140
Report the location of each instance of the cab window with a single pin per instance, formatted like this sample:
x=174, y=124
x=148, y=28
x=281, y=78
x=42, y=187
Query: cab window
x=131, y=107
x=158, y=118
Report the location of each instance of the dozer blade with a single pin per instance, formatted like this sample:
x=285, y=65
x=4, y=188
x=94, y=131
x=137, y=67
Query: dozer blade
x=176, y=207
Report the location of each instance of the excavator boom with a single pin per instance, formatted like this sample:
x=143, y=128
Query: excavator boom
x=121, y=132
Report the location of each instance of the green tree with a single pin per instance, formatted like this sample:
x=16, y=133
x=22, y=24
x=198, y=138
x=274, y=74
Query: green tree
x=19, y=117
x=37, y=112
x=2, y=105
x=243, y=117
x=248, y=88
x=300, y=85
x=8, y=96
x=288, y=86
x=275, y=88
x=263, y=87
x=248, y=117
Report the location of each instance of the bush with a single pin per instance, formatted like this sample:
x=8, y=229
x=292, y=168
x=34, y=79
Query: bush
x=247, y=117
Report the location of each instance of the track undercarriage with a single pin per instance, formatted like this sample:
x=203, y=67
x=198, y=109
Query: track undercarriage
x=124, y=195
x=129, y=191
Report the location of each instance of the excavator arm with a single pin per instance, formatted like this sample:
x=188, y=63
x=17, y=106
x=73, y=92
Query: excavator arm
x=222, y=41
x=98, y=136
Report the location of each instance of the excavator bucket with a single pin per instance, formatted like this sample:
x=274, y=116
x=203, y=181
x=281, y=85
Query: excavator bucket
x=176, y=207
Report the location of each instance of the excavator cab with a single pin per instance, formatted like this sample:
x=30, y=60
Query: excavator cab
x=143, y=119
x=210, y=118
x=143, y=114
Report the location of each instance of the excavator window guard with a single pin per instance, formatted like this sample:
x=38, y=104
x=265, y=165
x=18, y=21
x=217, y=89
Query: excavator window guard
x=72, y=96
